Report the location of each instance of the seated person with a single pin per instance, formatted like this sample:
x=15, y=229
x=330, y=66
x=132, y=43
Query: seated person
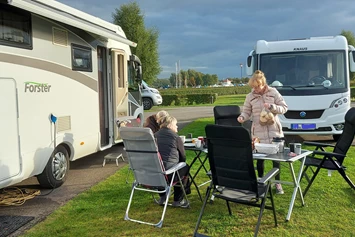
x=153, y=121
x=172, y=152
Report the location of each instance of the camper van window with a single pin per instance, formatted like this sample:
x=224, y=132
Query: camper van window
x=15, y=27
x=81, y=58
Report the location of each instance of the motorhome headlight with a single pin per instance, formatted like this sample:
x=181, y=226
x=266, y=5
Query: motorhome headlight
x=338, y=102
x=154, y=91
x=339, y=126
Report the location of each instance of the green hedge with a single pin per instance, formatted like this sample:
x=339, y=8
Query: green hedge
x=188, y=99
x=208, y=90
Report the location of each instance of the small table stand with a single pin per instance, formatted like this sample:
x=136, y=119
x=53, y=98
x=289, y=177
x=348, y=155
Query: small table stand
x=112, y=156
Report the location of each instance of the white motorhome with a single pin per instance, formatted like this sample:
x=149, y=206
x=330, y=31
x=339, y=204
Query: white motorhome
x=65, y=79
x=313, y=77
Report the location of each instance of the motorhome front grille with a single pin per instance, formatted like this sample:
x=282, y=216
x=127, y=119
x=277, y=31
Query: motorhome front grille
x=60, y=37
x=302, y=114
x=63, y=123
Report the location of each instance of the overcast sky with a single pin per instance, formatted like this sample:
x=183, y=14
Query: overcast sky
x=215, y=36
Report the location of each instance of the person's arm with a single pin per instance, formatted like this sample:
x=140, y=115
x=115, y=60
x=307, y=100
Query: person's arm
x=280, y=106
x=246, y=109
x=181, y=149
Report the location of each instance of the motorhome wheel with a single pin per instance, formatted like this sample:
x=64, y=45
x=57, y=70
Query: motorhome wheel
x=56, y=170
x=147, y=103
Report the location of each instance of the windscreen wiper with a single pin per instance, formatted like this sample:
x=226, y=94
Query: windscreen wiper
x=293, y=88
x=313, y=85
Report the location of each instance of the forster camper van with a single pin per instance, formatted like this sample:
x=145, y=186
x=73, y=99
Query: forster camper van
x=66, y=77
x=312, y=75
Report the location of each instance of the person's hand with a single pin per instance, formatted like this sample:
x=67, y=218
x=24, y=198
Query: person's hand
x=240, y=119
x=267, y=105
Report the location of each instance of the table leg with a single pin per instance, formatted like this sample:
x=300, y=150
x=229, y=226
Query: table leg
x=297, y=187
x=202, y=165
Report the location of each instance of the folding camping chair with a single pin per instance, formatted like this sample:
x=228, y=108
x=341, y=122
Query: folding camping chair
x=320, y=159
x=226, y=115
x=233, y=175
x=147, y=167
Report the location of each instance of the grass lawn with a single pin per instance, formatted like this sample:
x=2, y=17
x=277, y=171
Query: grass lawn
x=329, y=209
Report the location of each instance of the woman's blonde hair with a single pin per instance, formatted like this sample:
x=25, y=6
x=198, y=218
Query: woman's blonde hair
x=166, y=121
x=258, y=79
x=160, y=115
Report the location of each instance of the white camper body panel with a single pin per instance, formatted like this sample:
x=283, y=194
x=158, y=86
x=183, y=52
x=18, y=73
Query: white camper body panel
x=39, y=82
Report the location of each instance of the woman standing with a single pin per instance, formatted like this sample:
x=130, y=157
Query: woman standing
x=262, y=105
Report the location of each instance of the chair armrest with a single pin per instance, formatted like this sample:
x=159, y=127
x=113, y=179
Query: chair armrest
x=318, y=144
x=272, y=173
x=175, y=168
x=328, y=154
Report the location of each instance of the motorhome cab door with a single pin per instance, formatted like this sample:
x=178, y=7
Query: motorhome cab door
x=120, y=87
x=9, y=139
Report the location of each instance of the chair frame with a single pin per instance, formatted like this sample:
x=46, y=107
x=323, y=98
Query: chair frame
x=218, y=187
x=167, y=190
x=332, y=159
x=160, y=180
x=321, y=159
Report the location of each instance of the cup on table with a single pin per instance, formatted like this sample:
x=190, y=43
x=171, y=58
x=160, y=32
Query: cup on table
x=202, y=139
x=296, y=148
x=198, y=143
x=189, y=136
x=183, y=139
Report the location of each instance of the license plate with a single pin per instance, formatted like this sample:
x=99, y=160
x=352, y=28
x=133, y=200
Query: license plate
x=303, y=126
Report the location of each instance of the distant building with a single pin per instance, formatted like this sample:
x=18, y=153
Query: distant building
x=227, y=82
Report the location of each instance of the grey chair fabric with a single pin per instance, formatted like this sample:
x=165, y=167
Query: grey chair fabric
x=147, y=167
x=321, y=159
x=233, y=173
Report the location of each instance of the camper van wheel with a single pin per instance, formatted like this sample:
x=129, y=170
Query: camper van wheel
x=147, y=103
x=56, y=170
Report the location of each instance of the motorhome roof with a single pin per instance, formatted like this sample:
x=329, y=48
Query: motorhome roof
x=311, y=44
x=68, y=15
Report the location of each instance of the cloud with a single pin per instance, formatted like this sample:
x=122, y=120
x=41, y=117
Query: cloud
x=216, y=36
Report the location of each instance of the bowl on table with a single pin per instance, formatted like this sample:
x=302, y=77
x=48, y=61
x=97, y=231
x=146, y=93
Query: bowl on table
x=266, y=148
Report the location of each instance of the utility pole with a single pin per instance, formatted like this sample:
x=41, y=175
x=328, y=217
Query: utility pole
x=179, y=75
x=176, y=76
x=241, y=71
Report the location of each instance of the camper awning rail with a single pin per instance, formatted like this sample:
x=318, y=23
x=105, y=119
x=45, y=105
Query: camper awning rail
x=61, y=15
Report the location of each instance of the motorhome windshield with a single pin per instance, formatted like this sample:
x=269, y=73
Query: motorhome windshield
x=306, y=73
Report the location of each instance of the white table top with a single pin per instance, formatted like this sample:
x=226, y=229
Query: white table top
x=284, y=156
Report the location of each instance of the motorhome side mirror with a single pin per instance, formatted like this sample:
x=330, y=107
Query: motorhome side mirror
x=352, y=61
x=139, y=74
x=249, y=61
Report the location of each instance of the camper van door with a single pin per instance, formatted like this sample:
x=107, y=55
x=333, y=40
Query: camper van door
x=9, y=139
x=120, y=86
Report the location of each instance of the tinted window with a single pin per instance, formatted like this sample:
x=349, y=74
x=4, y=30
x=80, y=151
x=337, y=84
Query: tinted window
x=15, y=27
x=81, y=58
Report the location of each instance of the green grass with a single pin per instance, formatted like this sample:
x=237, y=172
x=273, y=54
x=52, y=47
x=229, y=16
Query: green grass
x=329, y=209
x=221, y=100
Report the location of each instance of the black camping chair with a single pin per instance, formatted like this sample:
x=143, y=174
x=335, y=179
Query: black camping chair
x=233, y=175
x=332, y=160
x=226, y=115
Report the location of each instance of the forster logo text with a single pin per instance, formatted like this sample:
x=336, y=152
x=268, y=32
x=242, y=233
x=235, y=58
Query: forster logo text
x=37, y=87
